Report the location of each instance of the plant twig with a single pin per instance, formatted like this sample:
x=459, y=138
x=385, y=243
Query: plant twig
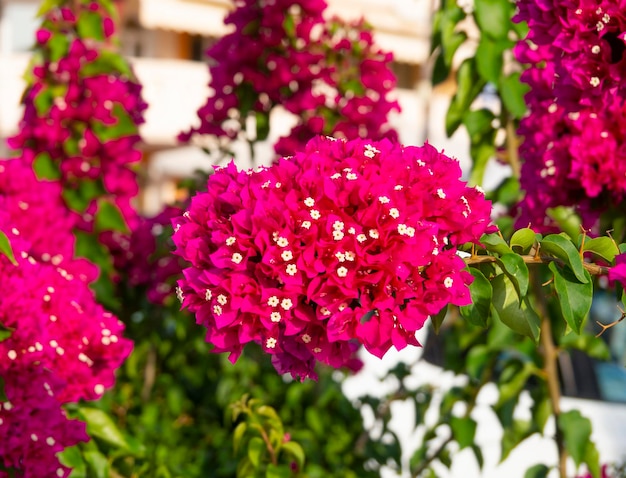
x=592, y=268
x=550, y=353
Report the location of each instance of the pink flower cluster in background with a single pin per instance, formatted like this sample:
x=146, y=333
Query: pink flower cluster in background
x=574, y=150
x=143, y=263
x=63, y=347
x=283, y=53
x=347, y=242
x=83, y=105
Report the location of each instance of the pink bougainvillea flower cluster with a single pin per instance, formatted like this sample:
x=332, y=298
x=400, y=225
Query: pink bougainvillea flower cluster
x=574, y=147
x=82, y=106
x=347, y=242
x=353, y=94
x=283, y=53
x=63, y=347
x=143, y=260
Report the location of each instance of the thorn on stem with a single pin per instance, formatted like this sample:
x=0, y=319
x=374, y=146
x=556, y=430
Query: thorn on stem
x=608, y=326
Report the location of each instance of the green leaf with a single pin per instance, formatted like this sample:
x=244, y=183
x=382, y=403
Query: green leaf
x=476, y=361
x=481, y=292
x=463, y=430
x=89, y=25
x=109, y=218
x=278, y=471
x=256, y=447
x=512, y=92
x=574, y=298
x=478, y=123
x=558, y=246
x=494, y=17
x=494, y=243
x=515, y=268
x=523, y=240
x=489, y=59
x=566, y=218
x=48, y=5
x=97, y=464
x=124, y=126
x=513, y=436
x=592, y=459
x=438, y=318
x=101, y=425
x=262, y=125
x=5, y=333
x=296, y=451
x=43, y=101
x=576, y=431
x=469, y=85
x=79, y=199
x=451, y=39
x=518, y=316
x=59, y=44
x=604, y=247
x=6, y=249
x=73, y=458
x=45, y=167
x=481, y=153
x=238, y=434
x=511, y=389
x=537, y=471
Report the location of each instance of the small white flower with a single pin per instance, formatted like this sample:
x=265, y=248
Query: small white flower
x=351, y=230
x=341, y=257
x=286, y=255
x=595, y=49
x=342, y=306
x=335, y=176
x=306, y=224
x=421, y=163
x=351, y=176
x=291, y=269
x=594, y=81
x=383, y=199
x=309, y=202
x=398, y=187
x=286, y=304
x=237, y=258
x=222, y=299
x=275, y=317
x=324, y=311
x=317, y=350
x=448, y=282
x=374, y=234
x=273, y=301
x=179, y=294
x=410, y=231
x=361, y=238
x=342, y=271
x=282, y=242
x=315, y=214
x=338, y=235
x=306, y=338
x=217, y=309
x=270, y=343
x=231, y=240
x=208, y=295
x=338, y=226
x=441, y=193
x=370, y=151
x=350, y=256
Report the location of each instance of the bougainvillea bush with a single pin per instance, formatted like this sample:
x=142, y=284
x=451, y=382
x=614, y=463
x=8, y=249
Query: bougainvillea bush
x=328, y=73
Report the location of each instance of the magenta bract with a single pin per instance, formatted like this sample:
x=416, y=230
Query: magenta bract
x=345, y=243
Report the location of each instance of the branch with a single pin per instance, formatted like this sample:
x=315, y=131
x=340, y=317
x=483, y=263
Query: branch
x=592, y=268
